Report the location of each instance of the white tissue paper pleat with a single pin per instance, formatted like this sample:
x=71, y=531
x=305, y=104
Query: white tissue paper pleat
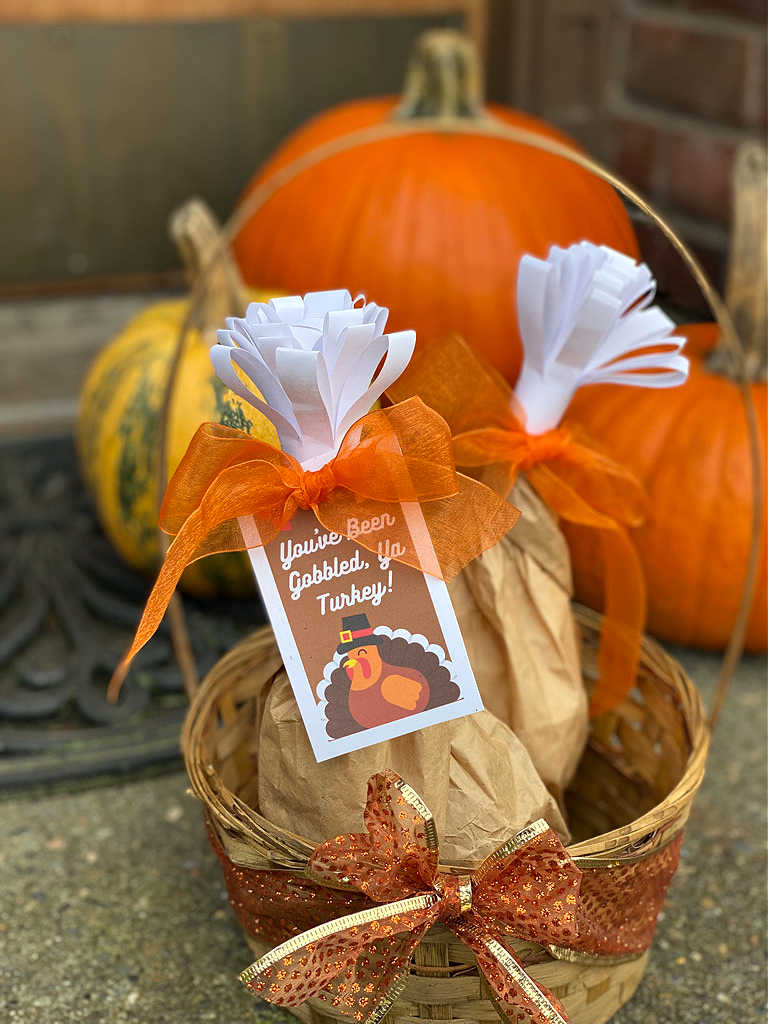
x=319, y=362
x=586, y=317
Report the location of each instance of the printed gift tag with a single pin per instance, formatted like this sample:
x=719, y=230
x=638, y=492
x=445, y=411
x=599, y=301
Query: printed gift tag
x=371, y=646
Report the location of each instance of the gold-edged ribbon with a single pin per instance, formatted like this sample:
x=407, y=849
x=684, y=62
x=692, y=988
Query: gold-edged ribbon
x=528, y=889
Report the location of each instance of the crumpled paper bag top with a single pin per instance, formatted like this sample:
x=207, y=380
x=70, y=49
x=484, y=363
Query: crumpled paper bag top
x=513, y=604
x=473, y=773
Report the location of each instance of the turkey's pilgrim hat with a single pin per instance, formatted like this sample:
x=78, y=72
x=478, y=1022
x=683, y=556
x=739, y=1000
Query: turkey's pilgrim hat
x=355, y=632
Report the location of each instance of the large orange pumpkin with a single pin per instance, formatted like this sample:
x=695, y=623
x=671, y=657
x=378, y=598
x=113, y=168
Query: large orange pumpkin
x=432, y=224
x=690, y=447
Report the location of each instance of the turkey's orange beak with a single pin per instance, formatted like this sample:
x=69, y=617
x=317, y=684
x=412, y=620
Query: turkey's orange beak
x=349, y=666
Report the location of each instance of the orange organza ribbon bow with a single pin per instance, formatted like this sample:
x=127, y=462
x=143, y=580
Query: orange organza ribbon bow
x=231, y=491
x=579, y=483
x=528, y=889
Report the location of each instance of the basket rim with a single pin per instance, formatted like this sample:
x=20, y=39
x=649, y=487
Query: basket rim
x=281, y=849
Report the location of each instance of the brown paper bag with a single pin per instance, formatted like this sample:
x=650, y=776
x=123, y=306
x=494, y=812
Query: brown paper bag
x=513, y=604
x=473, y=773
x=482, y=779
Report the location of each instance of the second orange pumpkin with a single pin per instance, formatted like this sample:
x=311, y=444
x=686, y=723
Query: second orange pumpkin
x=690, y=448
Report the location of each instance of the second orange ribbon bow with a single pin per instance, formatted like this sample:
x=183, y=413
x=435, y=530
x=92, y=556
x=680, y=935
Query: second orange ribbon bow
x=577, y=482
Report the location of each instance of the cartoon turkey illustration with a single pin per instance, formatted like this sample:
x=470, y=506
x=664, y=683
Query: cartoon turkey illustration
x=382, y=679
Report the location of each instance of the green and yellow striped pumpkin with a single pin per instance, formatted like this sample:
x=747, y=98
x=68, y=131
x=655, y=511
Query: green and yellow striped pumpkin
x=120, y=411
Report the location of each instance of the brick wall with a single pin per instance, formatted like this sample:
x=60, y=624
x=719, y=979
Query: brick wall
x=690, y=85
x=673, y=88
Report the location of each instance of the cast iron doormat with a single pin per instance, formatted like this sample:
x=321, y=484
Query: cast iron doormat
x=68, y=607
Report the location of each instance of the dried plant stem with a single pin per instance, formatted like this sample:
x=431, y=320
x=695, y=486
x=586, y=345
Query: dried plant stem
x=182, y=647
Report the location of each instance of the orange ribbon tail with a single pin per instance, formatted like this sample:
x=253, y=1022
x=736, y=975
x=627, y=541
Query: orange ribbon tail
x=624, y=587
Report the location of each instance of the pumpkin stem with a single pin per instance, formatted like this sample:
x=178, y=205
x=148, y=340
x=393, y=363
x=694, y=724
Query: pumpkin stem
x=196, y=234
x=444, y=78
x=746, y=292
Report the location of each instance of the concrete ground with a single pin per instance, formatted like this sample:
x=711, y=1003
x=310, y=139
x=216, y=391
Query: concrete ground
x=112, y=906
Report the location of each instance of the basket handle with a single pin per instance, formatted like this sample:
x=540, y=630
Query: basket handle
x=491, y=127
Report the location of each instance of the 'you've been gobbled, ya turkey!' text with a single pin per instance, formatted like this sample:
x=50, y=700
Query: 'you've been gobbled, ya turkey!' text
x=320, y=573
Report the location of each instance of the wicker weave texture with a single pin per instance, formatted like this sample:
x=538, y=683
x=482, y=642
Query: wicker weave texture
x=632, y=793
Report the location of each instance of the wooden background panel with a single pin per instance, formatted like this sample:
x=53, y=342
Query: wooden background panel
x=555, y=58
x=146, y=10
x=107, y=128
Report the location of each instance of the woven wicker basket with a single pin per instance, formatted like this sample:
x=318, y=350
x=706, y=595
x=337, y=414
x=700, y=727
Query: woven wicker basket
x=632, y=793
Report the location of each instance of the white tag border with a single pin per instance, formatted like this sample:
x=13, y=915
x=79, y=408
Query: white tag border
x=323, y=747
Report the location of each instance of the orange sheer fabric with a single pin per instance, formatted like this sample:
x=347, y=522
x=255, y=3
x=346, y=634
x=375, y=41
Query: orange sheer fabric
x=402, y=454
x=578, y=482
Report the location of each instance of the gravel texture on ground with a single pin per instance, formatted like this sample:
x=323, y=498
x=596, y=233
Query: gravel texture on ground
x=113, y=909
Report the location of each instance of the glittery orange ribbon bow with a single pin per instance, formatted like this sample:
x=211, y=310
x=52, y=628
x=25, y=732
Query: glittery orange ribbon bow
x=529, y=889
x=231, y=491
x=578, y=482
